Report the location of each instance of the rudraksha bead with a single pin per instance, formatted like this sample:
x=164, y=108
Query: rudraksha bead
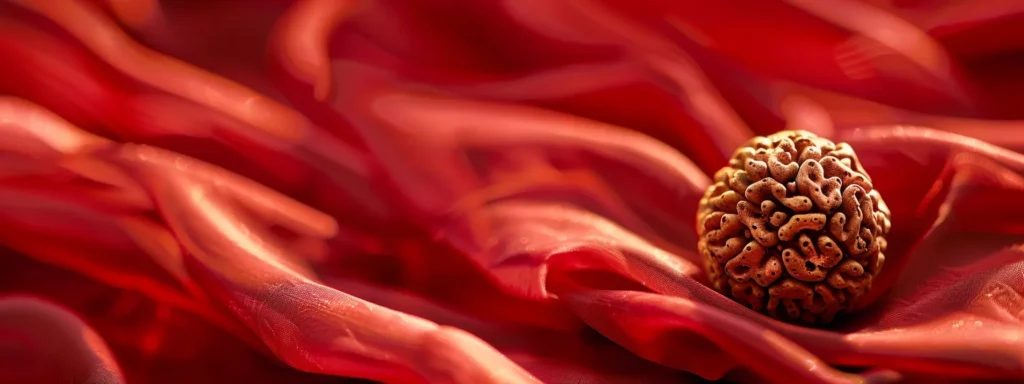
x=793, y=228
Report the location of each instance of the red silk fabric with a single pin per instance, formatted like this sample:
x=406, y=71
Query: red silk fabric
x=501, y=191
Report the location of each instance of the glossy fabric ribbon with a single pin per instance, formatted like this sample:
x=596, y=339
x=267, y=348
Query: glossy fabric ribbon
x=502, y=191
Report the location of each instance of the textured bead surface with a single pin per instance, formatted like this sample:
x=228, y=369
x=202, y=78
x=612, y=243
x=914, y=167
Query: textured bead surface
x=793, y=228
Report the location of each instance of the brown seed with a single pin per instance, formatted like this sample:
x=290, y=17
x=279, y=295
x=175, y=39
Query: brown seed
x=795, y=229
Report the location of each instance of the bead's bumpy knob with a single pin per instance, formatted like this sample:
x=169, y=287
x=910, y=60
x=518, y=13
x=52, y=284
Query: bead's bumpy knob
x=793, y=228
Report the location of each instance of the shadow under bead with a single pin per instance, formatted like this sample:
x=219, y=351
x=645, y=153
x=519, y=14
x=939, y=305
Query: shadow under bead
x=793, y=228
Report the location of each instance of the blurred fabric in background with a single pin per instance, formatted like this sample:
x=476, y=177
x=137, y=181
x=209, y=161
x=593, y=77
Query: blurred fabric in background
x=487, y=191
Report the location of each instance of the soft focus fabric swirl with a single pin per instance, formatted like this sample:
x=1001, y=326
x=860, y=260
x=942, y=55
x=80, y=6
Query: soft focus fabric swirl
x=501, y=191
